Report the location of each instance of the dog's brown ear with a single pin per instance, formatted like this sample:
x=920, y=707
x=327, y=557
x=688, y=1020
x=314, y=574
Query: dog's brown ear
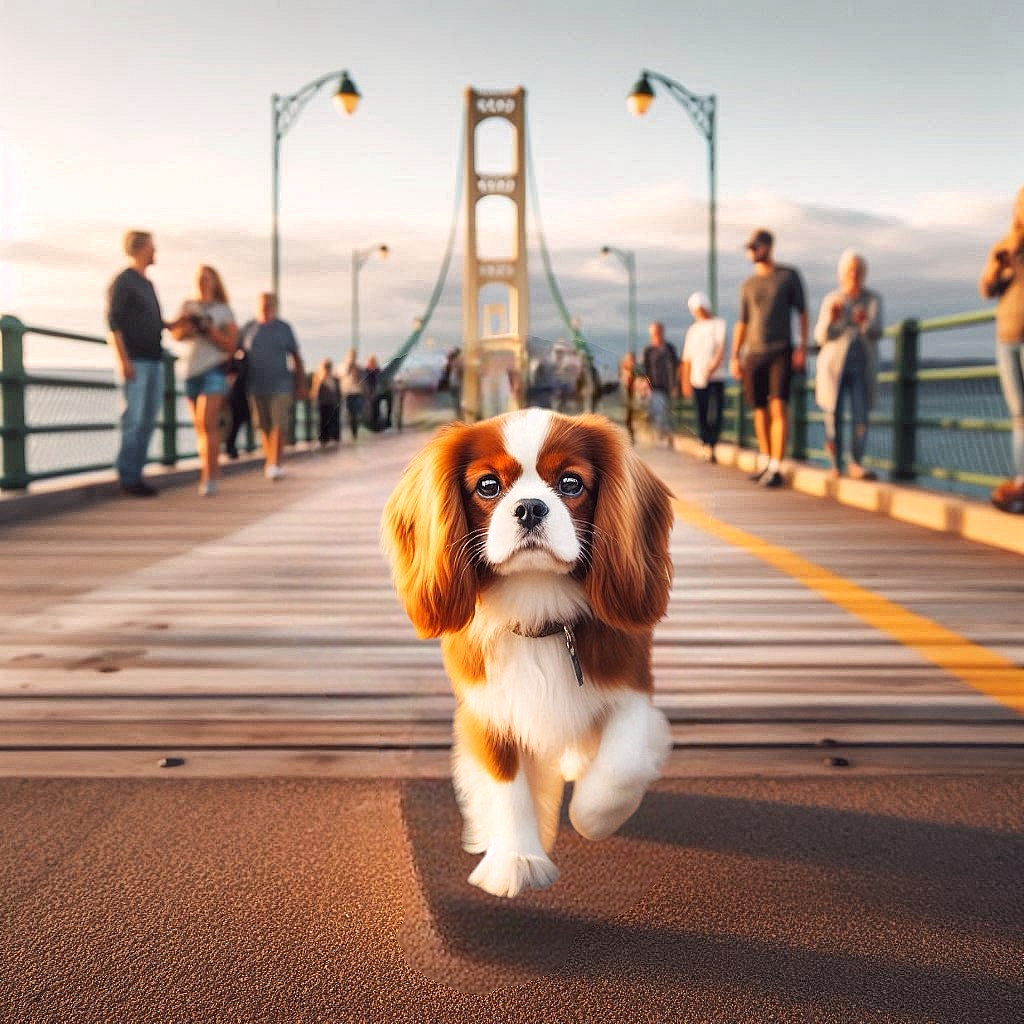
x=424, y=533
x=630, y=574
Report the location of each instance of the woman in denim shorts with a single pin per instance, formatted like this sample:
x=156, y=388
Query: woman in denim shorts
x=206, y=328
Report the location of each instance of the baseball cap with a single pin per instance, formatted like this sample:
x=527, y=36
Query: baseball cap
x=698, y=300
x=761, y=236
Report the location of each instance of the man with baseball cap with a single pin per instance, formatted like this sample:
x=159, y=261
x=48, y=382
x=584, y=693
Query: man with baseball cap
x=763, y=357
x=701, y=372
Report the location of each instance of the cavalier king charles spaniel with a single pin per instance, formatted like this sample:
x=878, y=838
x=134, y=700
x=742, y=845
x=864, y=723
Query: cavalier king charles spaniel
x=536, y=546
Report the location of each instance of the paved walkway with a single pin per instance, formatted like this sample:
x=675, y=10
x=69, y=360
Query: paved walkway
x=302, y=862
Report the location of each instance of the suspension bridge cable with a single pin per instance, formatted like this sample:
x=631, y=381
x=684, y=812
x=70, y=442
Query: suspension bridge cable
x=394, y=364
x=578, y=338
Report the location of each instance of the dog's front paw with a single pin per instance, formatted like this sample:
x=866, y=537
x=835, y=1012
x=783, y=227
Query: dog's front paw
x=611, y=790
x=502, y=873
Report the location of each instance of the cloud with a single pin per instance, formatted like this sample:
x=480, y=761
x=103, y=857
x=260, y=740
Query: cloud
x=924, y=264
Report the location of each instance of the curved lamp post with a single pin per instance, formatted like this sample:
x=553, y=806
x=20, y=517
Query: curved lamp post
x=702, y=113
x=628, y=258
x=359, y=257
x=284, y=111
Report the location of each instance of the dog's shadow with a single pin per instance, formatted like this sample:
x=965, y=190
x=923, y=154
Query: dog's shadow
x=633, y=902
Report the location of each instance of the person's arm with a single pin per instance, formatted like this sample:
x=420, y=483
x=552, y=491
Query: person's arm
x=997, y=273
x=800, y=355
x=684, y=377
x=829, y=315
x=739, y=332
x=125, y=367
x=116, y=315
x=719, y=355
x=224, y=337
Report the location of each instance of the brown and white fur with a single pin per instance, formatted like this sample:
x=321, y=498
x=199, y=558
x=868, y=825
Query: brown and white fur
x=501, y=532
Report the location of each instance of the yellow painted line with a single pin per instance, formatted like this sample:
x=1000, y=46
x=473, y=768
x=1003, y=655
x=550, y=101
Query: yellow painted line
x=986, y=671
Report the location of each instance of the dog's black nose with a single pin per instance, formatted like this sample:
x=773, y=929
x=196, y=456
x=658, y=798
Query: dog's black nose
x=530, y=512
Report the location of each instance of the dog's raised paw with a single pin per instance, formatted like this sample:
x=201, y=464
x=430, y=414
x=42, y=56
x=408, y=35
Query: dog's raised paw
x=506, y=874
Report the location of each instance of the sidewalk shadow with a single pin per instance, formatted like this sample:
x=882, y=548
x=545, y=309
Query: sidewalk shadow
x=640, y=906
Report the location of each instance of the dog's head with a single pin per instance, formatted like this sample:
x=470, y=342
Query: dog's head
x=534, y=492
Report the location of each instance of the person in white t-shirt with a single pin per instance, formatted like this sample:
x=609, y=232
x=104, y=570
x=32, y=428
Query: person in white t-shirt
x=700, y=370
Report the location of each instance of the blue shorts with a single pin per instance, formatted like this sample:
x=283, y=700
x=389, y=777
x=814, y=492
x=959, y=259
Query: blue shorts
x=213, y=382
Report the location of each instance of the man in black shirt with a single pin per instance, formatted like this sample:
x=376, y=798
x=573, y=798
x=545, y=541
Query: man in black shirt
x=660, y=368
x=136, y=327
x=763, y=356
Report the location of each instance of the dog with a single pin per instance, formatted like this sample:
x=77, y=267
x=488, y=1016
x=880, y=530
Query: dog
x=536, y=546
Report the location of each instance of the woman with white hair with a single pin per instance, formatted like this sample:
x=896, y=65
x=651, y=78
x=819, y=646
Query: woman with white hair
x=849, y=326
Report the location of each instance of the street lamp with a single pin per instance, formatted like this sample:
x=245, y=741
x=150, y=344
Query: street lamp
x=284, y=111
x=628, y=258
x=359, y=257
x=702, y=113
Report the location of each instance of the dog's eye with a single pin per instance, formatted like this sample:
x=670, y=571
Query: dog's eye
x=570, y=485
x=488, y=487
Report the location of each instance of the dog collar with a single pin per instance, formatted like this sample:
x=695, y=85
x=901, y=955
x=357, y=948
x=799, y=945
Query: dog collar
x=553, y=629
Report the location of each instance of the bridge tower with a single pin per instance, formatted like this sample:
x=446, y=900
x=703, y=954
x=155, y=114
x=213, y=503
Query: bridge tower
x=494, y=377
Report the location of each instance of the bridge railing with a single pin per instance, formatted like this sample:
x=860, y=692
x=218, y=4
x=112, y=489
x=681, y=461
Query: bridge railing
x=943, y=426
x=65, y=422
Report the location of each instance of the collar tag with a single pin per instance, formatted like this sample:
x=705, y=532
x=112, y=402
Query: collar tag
x=570, y=645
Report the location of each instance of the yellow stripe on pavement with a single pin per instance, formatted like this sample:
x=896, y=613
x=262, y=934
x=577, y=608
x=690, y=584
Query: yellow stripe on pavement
x=986, y=671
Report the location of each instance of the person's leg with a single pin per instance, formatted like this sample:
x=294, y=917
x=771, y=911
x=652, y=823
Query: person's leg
x=131, y=455
x=1010, y=362
x=715, y=409
x=857, y=389
x=700, y=401
x=778, y=415
x=212, y=406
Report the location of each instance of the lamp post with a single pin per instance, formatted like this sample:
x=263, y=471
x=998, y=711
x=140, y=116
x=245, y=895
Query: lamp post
x=628, y=258
x=284, y=111
x=702, y=113
x=359, y=257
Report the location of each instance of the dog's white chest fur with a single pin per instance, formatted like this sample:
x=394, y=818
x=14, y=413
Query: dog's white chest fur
x=531, y=690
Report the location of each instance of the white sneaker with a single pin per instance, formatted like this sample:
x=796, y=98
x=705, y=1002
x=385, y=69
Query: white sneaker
x=208, y=489
x=273, y=472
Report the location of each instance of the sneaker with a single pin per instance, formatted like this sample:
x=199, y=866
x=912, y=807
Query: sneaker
x=858, y=472
x=139, y=489
x=755, y=477
x=771, y=479
x=273, y=472
x=1003, y=491
x=208, y=489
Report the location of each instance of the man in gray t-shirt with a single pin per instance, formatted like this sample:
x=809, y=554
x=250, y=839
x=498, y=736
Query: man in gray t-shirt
x=270, y=346
x=763, y=356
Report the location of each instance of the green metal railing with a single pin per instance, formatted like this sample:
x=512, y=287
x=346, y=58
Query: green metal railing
x=937, y=426
x=942, y=427
x=79, y=414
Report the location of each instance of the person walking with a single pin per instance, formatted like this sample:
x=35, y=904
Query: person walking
x=353, y=386
x=207, y=331
x=326, y=393
x=661, y=367
x=763, y=356
x=701, y=371
x=273, y=384
x=847, y=332
x=136, y=331
x=238, y=397
x=1003, y=279
x=451, y=378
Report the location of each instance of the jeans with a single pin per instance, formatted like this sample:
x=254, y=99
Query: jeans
x=709, y=403
x=1010, y=360
x=659, y=412
x=853, y=385
x=140, y=401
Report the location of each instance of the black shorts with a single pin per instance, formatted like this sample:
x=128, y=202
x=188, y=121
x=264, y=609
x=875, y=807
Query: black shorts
x=767, y=376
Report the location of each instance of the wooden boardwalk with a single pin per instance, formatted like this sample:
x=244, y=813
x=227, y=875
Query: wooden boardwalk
x=258, y=633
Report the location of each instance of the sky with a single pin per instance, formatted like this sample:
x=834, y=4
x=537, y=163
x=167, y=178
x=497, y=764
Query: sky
x=891, y=128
